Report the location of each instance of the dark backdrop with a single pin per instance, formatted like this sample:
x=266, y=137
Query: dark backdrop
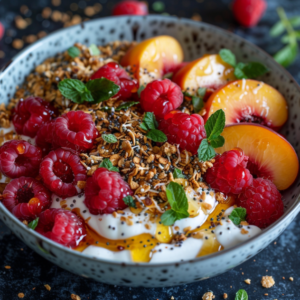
x=29, y=272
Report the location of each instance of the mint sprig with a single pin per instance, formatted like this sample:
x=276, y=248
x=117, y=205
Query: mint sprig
x=74, y=51
x=150, y=125
x=109, y=138
x=287, y=55
x=213, y=127
x=178, y=174
x=140, y=89
x=241, y=295
x=197, y=99
x=107, y=164
x=94, y=91
x=238, y=215
x=179, y=204
x=243, y=70
x=94, y=50
x=126, y=105
x=32, y=225
x=129, y=201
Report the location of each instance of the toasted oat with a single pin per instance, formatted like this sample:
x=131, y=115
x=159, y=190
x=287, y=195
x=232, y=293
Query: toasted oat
x=291, y=279
x=208, y=296
x=7, y=267
x=21, y=295
x=81, y=184
x=225, y=296
x=48, y=287
x=75, y=297
x=248, y=281
x=267, y=281
x=17, y=44
x=244, y=231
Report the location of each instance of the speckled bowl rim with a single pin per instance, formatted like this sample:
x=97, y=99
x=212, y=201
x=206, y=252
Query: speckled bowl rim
x=295, y=206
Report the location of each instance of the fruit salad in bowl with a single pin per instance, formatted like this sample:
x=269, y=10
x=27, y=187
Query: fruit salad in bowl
x=127, y=152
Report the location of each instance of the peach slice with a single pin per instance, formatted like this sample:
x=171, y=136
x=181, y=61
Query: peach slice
x=270, y=155
x=251, y=101
x=208, y=71
x=153, y=58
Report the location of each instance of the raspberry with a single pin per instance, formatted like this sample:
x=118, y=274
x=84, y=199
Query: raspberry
x=19, y=158
x=186, y=130
x=263, y=203
x=30, y=114
x=130, y=8
x=229, y=173
x=26, y=197
x=61, y=226
x=105, y=191
x=112, y=71
x=44, y=137
x=60, y=171
x=161, y=97
x=249, y=12
x=75, y=130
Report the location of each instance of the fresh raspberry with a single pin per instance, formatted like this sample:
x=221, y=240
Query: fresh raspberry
x=75, y=130
x=1, y=31
x=61, y=226
x=161, y=97
x=30, y=114
x=249, y=12
x=229, y=173
x=183, y=129
x=130, y=8
x=104, y=192
x=19, y=158
x=44, y=137
x=26, y=197
x=263, y=203
x=112, y=71
x=61, y=170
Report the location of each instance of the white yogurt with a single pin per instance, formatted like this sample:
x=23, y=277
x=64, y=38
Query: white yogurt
x=11, y=128
x=229, y=235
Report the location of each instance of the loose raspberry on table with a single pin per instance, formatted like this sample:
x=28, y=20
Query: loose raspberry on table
x=186, y=130
x=229, y=173
x=61, y=170
x=263, y=203
x=112, y=71
x=104, y=192
x=19, y=158
x=75, y=131
x=61, y=226
x=26, y=197
x=249, y=12
x=130, y=8
x=30, y=114
x=161, y=97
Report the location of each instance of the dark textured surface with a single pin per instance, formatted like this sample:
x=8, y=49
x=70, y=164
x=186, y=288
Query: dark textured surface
x=29, y=272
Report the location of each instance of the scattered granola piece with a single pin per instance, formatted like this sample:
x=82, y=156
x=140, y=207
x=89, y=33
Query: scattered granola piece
x=56, y=2
x=283, y=278
x=225, y=296
x=17, y=44
x=267, y=281
x=75, y=297
x=208, y=296
x=21, y=295
x=291, y=279
x=248, y=281
x=48, y=287
x=7, y=267
x=25, y=222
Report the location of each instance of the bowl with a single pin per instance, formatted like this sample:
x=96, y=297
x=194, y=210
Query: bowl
x=196, y=38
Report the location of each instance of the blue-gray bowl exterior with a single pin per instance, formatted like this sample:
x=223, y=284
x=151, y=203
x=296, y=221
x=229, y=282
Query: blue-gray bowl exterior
x=196, y=39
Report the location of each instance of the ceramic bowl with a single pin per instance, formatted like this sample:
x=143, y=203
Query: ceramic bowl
x=196, y=38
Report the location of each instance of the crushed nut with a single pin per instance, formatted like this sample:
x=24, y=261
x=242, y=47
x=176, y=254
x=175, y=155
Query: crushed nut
x=208, y=296
x=248, y=281
x=75, y=297
x=267, y=281
x=48, y=287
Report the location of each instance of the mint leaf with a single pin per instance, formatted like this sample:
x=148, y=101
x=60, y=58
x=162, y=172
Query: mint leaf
x=295, y=21
x=277, y=29
x=228, y=57
x=287, y=55
x=32, y=225
x=178, y=174
x=254, y=69
x=215, y=125
x=238, y=215
x=129, y=201
x=94, y=50
x=126, y=105
x=109, y=138
x=144, y=126
x=72, y=89
x=178, y=202
x=218, y=142
x=201, y=92
x=102, y=89
x=198, y=103
x=241, y=295
x=140, y=89
x=238, y=71
x=206, y=151
x=107, y=164
x=74, y=51
x=150, y=121
x=158, y=6
x=156, y=136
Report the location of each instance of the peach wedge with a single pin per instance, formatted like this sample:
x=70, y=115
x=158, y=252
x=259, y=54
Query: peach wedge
x=250, y=101
x=153, y=58
x=209, y=71
x=270, y=155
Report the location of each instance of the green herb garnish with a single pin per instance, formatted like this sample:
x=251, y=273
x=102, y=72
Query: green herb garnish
x=126, y=105
x=238, y=215
x=74, y=51
x=178, y=202
x=241, y=295
x=94, y=50
x=242, y=70
x=107, y=164
x=140, y=89
x=109, y=138
x=158, y=6
x=33, y=224
x=178, y=174
x=129, y=201
x=197, y=99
